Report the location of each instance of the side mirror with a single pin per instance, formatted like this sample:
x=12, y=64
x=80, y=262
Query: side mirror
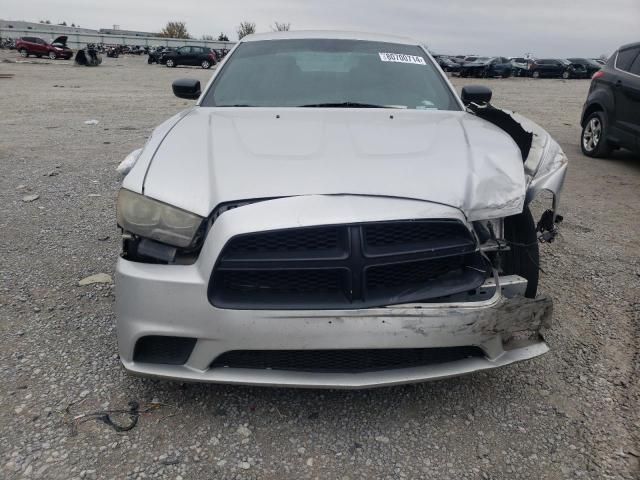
x=188, y=88
x=476, y=94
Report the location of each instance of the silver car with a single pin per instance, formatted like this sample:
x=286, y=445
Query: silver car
x=331, y=213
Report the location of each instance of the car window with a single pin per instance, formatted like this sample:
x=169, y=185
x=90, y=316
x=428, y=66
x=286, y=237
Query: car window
x=635, y=66
x=314, y=72
x=626, y=57
x=184, y=50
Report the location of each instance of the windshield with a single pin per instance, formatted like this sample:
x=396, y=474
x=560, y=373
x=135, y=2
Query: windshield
x=329, y=73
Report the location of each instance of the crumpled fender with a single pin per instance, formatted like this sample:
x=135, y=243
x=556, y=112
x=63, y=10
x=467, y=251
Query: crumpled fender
x=545, y=163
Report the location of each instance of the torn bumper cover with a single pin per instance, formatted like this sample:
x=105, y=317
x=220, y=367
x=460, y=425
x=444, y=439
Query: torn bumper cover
x=168, y=327
x=505, y=330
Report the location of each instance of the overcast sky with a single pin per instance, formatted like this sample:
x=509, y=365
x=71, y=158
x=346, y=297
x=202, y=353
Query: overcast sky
x=491, y=27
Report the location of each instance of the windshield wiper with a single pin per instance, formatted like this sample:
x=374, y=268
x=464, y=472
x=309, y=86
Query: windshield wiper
x=343, y=105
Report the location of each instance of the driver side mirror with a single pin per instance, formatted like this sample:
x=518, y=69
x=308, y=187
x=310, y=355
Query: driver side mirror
x=476, y=94
x=188, y=88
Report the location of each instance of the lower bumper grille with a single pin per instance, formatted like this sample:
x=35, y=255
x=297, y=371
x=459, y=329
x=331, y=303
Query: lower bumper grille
x=347, y=266
x=343, y=361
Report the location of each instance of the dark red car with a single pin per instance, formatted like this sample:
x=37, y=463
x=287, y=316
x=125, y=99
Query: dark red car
x=36, y=46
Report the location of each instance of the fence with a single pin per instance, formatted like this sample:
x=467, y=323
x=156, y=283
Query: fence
x=79, y=40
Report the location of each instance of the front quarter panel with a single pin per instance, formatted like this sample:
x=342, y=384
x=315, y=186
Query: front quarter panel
x=134, y=180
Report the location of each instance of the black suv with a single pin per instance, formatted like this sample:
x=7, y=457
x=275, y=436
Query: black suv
x=549, y=67
x=190, y=55
x=611, y=114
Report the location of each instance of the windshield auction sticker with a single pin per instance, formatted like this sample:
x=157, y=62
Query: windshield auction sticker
x=402, y=58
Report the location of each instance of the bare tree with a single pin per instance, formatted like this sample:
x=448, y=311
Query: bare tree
x=222, y=37
x=245, y=28
x=175, y=30
x=281, y=27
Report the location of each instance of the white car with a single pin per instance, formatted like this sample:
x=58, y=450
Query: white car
x=331, y=214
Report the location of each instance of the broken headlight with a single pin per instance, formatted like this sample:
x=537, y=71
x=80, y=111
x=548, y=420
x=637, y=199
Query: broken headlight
x=152, y=219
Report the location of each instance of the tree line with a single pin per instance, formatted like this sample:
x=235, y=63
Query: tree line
x=179, y=30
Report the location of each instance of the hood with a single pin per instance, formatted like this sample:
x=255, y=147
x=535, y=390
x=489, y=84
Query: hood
x=215, y=155
x=61, y=40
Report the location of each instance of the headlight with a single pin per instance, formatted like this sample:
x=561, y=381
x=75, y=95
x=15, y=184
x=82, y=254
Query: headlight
x=152, y=219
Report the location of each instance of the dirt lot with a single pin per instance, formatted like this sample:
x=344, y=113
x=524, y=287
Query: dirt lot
x=573, y=413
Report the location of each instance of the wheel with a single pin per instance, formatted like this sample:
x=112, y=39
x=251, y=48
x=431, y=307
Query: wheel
x=593, y=140
x=24, y=53
x=170, y=63
x=506, y=73
x=52, y=55
x=205, y=64
x=535, y=74
x=565, y=75
x=523, y=258
x=149, y=60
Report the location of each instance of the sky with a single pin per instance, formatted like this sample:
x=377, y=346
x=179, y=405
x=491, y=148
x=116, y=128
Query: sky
x=560, y=28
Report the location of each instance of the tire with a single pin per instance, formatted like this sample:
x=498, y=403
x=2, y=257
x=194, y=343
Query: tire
x=170, y=63
x=565, y=75
x=593, y=140
x=535, y=74
x=523, y=258
x=24, y=53
x=206, y=64
x=150, y=61
x=52, y=55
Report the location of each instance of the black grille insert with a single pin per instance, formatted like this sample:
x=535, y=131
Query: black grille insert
x=347, y=266
x=163, y=350
x=343, y=361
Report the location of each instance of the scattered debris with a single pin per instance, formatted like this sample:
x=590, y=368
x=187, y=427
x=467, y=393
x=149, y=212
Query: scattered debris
x=31, y=198
x=382, y=439
x=133, y=412
x=97, y=278
x=94, y=195
x=6, y=75
x=104, y=238
x=91, y=122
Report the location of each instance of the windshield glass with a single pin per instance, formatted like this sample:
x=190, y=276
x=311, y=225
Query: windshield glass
x=329, y=73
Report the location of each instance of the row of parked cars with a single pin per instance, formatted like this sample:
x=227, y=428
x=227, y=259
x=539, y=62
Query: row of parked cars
x=475, y=66
x=192, y=55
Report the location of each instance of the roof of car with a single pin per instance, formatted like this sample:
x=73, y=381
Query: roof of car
x=335, y=35
x=629, y=45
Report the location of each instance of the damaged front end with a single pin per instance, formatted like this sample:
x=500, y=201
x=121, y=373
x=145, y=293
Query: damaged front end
x=545, y=164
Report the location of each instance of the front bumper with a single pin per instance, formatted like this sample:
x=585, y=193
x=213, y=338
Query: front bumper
x=171, y=300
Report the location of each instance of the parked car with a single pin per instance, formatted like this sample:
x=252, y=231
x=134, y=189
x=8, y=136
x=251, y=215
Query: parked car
x=611, y=114
x=38, y=47
x=299, y=227
x=156, y=55
x=190, y=55
x=483, y=67
x=585, y=65
x=549, y=67
x=599, y=61
x=519, y=66
x=448, y=65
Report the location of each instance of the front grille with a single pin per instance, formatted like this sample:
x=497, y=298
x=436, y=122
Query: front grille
x=347, y=266
x=306, y=239
x=343, y=361
x=412, y=273
x=282, y=281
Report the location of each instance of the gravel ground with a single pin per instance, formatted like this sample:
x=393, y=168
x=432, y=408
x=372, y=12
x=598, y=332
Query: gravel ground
x=573, y=413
